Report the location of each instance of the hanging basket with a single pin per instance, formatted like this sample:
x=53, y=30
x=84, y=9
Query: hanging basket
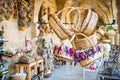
x=91, y=24
x=62, y=30
x=81, y=41
x=63, y=56
x=91, y=59
x=85, y=22
x=56, y=28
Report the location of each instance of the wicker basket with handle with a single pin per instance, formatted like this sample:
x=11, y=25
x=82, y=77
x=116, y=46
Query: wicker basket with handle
x=76, y=15
x=81, y=41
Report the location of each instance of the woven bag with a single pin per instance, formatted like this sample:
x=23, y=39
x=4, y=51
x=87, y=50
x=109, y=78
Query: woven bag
x=81, y=41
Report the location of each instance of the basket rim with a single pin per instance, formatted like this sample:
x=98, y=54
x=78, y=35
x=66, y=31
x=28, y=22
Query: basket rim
x=93, y=35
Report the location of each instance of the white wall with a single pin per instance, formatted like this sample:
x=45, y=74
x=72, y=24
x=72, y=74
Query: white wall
x=14, y=37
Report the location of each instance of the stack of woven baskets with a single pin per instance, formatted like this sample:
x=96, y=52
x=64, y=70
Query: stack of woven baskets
x=79, y=27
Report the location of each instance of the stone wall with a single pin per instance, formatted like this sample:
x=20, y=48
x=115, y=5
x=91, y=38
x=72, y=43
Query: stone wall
x=15, y=38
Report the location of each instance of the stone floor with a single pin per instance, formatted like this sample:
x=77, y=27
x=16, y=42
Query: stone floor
x=70, y=72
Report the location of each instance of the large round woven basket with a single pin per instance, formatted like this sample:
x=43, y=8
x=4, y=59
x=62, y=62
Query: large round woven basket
x=91, y=59
x=63, y=31
x=85, y=21
x=81, y=41
x=57, y=29
x=91, y=24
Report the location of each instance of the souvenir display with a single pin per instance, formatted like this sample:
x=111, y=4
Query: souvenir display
x=47, y=53
x=59, y=39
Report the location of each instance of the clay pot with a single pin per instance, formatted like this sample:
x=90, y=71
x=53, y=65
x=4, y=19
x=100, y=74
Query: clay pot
x=110, y=34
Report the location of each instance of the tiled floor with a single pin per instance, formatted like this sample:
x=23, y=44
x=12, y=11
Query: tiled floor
x=70, y=72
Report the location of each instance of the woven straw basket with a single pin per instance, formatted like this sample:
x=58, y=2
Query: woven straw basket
x=20, y=77
x=64, y=57
x=62, y=31
x=81, y=41
x=85, y=21
x=56, y=28
x=88, y=61
x=91, y=24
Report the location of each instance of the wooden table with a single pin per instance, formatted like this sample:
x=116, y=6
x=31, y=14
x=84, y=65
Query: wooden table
x=29, y=68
